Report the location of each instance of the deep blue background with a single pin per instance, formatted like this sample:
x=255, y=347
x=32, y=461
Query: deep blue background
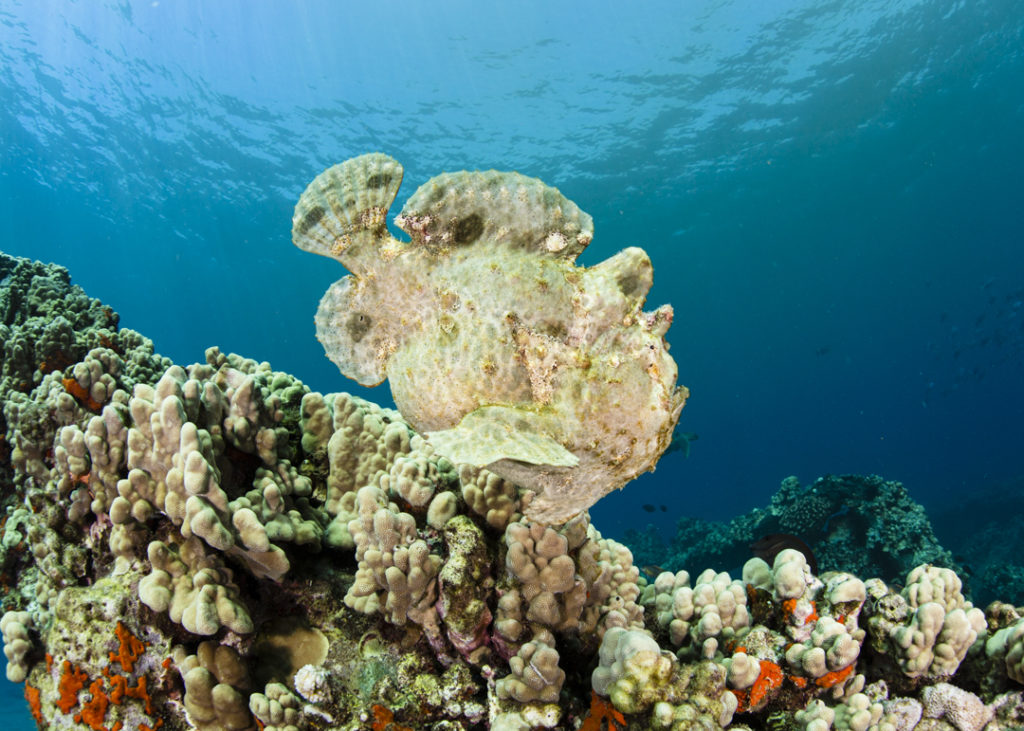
x=831, y=193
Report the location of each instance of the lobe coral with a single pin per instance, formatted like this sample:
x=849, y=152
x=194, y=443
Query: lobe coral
x=500, y=350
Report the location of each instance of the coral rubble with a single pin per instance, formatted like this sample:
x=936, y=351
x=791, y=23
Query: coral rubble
x=217, y=547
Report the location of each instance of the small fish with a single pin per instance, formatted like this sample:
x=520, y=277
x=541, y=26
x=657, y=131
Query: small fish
x=652, y=570
x=648, y=507
x=769, y=546
x=681, y=442
x=664, y=508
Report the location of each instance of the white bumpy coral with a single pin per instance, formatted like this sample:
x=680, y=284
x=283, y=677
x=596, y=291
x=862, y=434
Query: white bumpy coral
x=632, y=669
x=711, y=612
x=552, y=593
x=15, y=628
x=194, y=587
x=1007, y=644
x=535, y=675
x=397, y=573
x=612, y=590
x=277, y=708
x=927, y=628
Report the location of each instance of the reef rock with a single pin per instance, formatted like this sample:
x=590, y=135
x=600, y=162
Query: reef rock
x=497, y=347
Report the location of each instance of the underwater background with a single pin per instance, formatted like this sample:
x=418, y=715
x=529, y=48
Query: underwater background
x=831, y=194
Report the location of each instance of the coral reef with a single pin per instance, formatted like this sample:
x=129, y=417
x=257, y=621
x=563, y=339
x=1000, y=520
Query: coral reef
x=863, y=525
x=217, y=547
x=497, y=348
x=988, y=543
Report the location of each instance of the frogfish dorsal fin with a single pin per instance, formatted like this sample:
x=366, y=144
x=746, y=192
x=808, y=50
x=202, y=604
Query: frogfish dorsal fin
x=508, y=209
x=343, y=212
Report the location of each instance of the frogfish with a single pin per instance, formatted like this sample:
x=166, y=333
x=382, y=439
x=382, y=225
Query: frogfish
x=500, y=350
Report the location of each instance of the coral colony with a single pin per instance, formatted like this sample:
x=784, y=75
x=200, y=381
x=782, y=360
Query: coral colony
x=218, y=547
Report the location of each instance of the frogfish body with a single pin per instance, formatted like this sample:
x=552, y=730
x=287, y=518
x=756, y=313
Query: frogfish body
x=500, y=350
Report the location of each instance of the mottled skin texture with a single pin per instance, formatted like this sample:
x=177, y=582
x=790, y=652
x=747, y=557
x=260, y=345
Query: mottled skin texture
x=497, y=347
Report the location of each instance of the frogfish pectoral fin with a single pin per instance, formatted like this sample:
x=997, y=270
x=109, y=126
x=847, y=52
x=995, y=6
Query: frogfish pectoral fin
x=492, y=433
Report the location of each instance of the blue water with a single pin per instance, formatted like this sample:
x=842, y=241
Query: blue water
x=830, y=193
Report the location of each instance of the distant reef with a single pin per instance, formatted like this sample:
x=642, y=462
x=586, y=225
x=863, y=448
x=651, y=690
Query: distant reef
x=865, y=525
x=215, y=546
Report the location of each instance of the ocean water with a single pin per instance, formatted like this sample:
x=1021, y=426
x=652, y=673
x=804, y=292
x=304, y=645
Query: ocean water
x=830, y=193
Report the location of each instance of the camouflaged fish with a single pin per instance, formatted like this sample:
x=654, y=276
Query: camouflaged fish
x=499, y=349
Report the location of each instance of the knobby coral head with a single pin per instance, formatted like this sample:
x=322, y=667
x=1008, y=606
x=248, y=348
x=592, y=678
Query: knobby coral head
x=498, y=348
